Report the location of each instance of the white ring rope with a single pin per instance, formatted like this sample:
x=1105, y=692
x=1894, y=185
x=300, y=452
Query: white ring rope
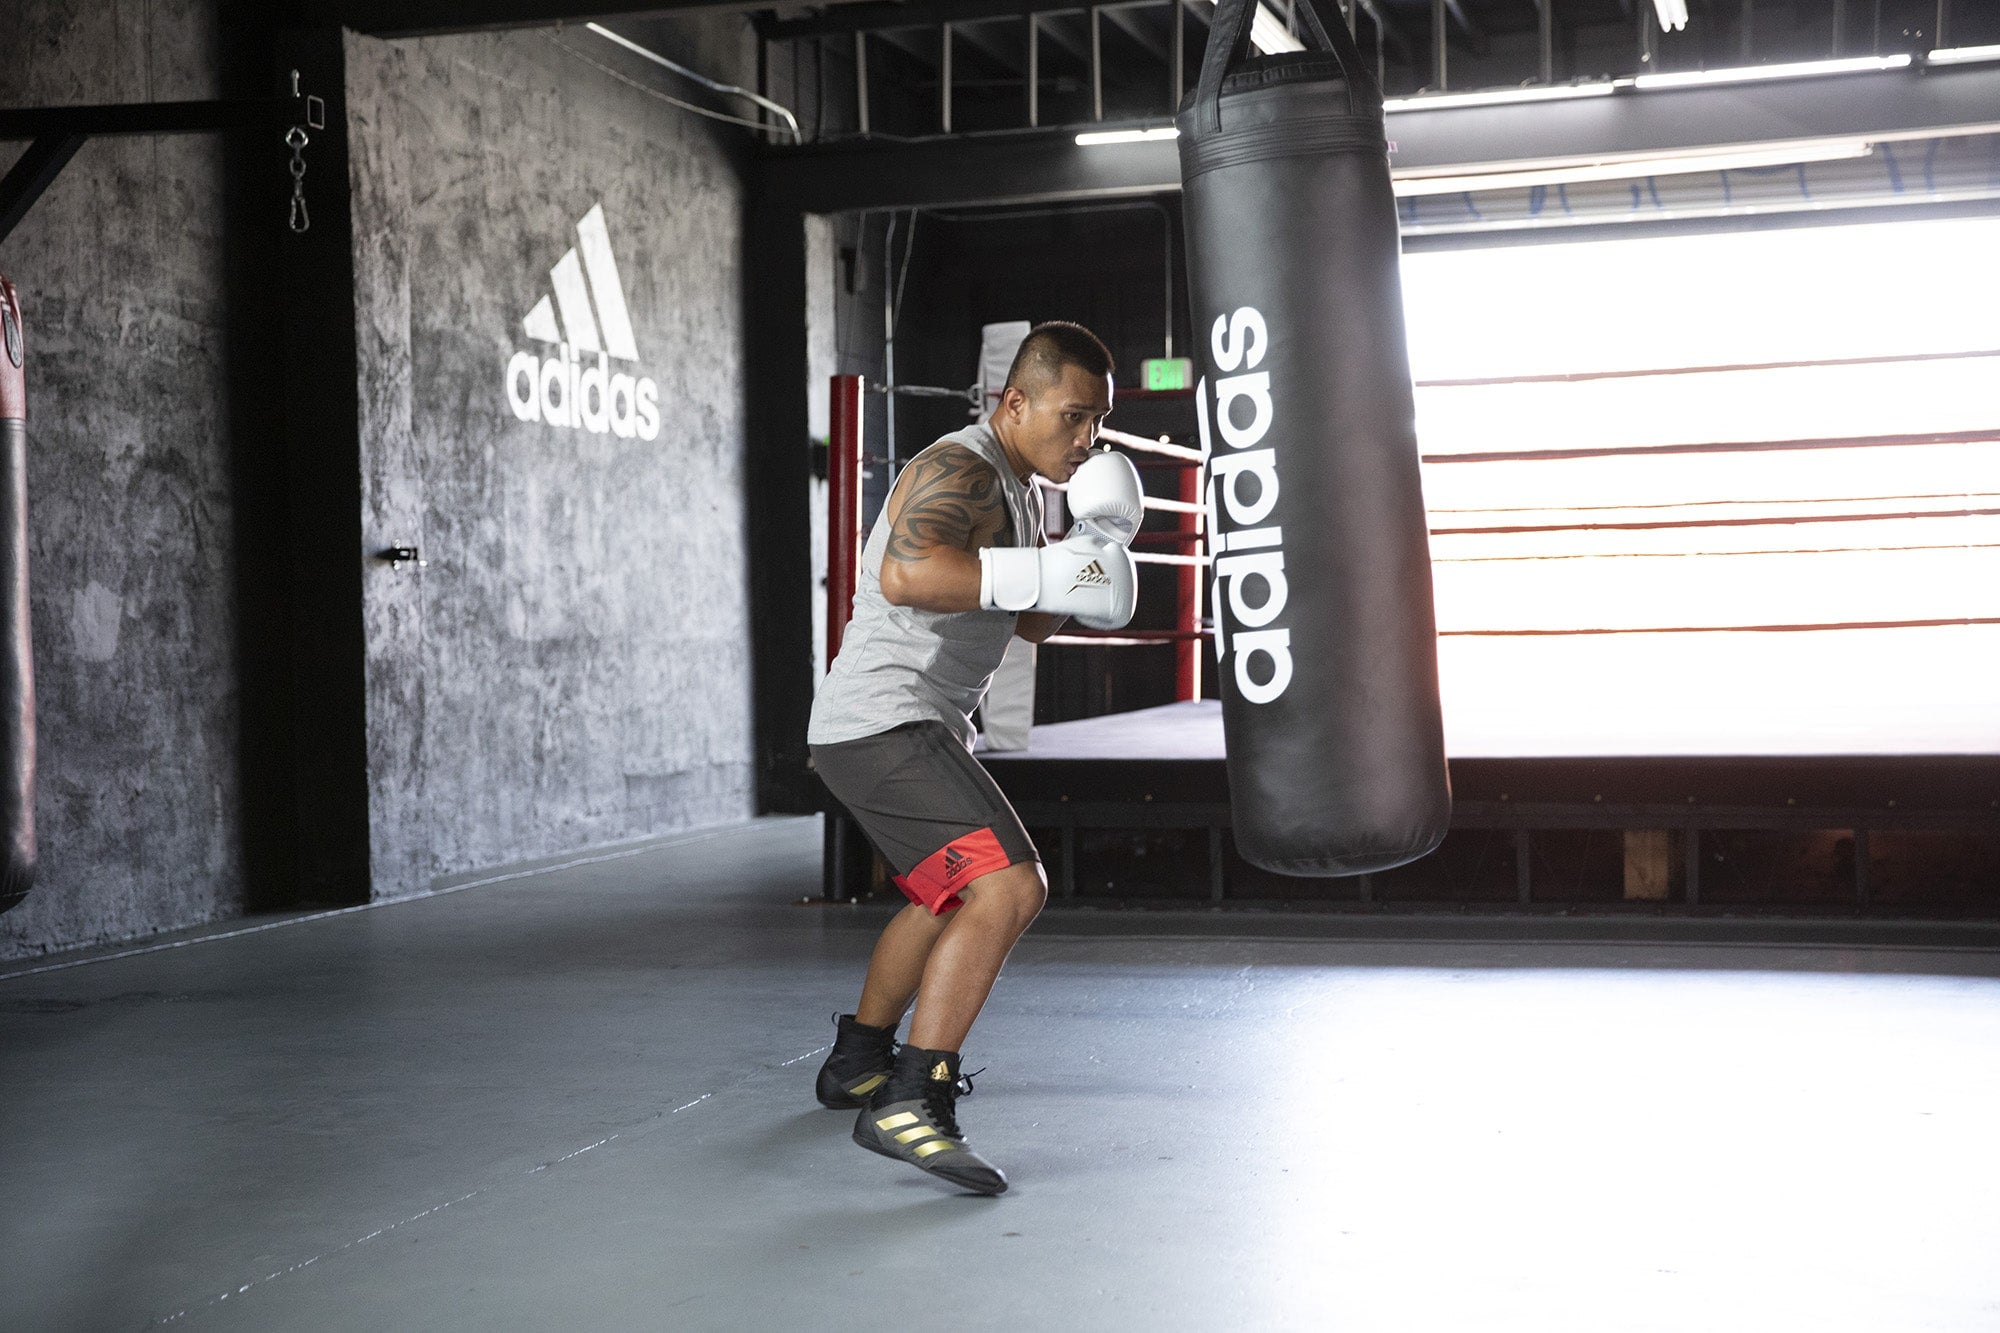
x=1150, y=446
x=1106, y=641
x=1151, y=501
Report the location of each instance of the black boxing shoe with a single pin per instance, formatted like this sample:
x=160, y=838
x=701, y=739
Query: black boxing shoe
x=859, y=1064
x=914, y=1118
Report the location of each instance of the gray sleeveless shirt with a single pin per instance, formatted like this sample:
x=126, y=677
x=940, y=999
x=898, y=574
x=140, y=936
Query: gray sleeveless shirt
x=898, y=664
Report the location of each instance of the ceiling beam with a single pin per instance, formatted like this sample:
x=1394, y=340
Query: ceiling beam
x=1050, y=167
x=1009, y=52
x=1152, y=43
x=418, y=18
x=919, y=47
x=1957, y=99
x=875, y=15
x=1474, y=34
x=1055, y=30
x=1041, y=168
x=1391, y=34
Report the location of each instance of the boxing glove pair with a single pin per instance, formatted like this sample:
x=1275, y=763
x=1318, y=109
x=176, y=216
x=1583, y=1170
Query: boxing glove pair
x=1088, y=575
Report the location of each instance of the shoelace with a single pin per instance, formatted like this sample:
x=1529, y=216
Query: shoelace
x=941, y=1100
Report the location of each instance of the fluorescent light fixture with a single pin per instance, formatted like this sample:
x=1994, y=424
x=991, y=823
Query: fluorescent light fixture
x=1760, y=73
x=1093, y=138
x=1270, y=36
x=1673, y=14
x=1499, y=97
x=1963, y=55
x=1417, y=185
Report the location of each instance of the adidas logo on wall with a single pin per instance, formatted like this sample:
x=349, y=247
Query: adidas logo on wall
x=563, y=390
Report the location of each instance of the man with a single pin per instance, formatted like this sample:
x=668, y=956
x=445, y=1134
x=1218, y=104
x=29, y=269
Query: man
x=954, y=569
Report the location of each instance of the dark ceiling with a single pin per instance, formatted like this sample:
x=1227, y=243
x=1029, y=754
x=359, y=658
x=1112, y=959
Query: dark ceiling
x=1486, y=44
x=810, y=50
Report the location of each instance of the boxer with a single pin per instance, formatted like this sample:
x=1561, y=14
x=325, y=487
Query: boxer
x=954, y=569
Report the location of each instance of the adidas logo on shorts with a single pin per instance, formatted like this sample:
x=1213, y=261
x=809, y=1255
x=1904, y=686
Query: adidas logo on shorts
x=955, y=863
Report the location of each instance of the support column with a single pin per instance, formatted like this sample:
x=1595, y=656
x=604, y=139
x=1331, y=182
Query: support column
x=322, y=443
x=777, y=524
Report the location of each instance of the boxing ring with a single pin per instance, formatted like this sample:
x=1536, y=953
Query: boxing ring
x=1537, y=808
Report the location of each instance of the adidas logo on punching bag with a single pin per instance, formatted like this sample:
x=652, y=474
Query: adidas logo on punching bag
x=1246, y=548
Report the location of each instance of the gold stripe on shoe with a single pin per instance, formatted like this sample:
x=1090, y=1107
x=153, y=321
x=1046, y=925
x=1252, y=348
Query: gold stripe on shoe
x=897, y=1121
x=867, y=1085
x=912, y=1135
x=940, y=1145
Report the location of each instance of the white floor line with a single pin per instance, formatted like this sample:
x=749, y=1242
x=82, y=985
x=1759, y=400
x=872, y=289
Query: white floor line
x=704, y=835
x=303, y=1264
x=807, y=1056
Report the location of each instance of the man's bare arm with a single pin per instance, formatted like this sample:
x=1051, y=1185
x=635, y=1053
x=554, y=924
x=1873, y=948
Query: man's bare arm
x=945, y=505
x=1035, y=626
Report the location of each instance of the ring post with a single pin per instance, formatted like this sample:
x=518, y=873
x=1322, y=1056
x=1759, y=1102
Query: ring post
x=1187, y=606
x=843, y=526
x=843, y=560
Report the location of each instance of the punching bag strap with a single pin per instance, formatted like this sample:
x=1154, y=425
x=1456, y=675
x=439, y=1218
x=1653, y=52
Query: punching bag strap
x=1229, y=45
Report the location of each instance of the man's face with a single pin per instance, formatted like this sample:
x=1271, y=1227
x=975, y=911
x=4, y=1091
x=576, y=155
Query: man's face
x=1056, y=429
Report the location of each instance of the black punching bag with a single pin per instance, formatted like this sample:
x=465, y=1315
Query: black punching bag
x=17, y=667
x=1324, y=629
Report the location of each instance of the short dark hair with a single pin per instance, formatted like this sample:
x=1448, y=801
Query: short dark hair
x=1051, y=346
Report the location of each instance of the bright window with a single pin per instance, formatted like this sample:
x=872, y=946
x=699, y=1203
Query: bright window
x=1716, y=494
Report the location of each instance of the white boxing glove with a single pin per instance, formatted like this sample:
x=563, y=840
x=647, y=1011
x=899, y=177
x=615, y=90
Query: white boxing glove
x=1105, y=496
x=1084, y=575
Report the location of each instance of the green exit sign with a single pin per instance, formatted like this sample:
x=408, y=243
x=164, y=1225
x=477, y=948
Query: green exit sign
x=1164, y=373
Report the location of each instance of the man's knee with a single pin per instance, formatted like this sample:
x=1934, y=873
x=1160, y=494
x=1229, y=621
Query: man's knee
x=1020, y=888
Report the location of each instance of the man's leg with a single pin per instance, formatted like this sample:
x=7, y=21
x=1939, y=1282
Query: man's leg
x=897, y=967
x=864, y=1043
x=966, y=957
x=913, y=1115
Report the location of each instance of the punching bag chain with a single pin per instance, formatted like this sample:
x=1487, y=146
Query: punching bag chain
x=297, y=140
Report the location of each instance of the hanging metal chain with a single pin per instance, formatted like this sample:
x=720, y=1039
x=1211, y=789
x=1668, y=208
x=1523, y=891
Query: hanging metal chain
x=296, y=139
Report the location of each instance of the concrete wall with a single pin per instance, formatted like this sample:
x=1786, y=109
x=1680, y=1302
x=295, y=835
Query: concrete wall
x=121, y=271
x=571, y=667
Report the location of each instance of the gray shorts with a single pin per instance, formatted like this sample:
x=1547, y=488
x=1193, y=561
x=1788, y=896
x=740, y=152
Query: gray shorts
x=928, y=806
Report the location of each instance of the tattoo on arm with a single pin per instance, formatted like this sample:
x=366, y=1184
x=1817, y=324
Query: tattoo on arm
x=948, y=496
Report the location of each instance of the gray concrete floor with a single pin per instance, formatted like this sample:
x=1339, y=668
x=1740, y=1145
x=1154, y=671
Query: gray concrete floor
x=581, y=1099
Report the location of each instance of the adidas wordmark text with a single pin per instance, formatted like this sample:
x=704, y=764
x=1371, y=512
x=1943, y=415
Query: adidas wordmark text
x=562, y=390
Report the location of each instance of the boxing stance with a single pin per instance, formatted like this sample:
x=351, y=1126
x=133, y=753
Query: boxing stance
x=953, y=570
